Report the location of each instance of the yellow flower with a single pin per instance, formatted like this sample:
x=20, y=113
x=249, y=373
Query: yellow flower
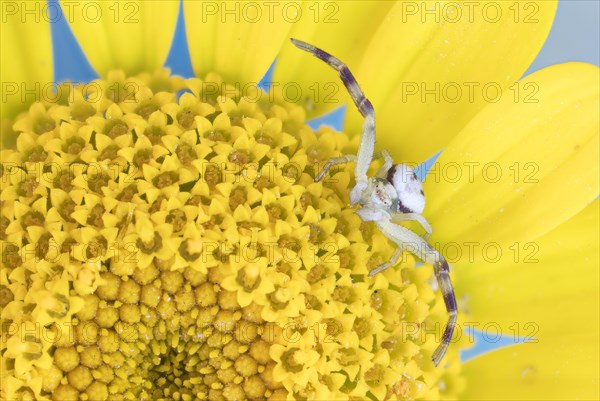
x=170, y=191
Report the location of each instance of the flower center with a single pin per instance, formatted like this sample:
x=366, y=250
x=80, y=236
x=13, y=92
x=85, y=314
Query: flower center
x=190, y=255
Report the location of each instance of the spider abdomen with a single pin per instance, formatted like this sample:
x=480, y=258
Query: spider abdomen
x=410, y=190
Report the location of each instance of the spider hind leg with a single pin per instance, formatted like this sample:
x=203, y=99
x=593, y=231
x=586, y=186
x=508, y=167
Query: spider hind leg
x=442, y=275
x=410, y=241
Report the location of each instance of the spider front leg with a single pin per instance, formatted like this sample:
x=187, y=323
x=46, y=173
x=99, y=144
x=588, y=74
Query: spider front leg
x=408, y=240
x=364, y=157
x=367, y=138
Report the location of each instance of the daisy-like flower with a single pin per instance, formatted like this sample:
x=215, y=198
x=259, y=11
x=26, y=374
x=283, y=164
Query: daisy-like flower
x=163, y=237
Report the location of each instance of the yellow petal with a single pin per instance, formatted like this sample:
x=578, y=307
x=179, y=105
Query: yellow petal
x=134, y=36
x=546, y=282
x=519, y=169
x=239, y=40
x=558, y=369
x=26, y=60
x=404, y=48
x=554, y=304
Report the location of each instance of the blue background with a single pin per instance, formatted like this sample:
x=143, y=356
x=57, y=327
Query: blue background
x=574, y=36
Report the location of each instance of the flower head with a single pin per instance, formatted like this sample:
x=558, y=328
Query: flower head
x=214, y=266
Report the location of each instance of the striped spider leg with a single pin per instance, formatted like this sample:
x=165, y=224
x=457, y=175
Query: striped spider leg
x=367, y=140
x=393, y=195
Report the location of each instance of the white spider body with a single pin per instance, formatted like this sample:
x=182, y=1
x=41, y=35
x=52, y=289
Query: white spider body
x=410, y=191
x=385, y=198
x=380, y=196
x=395, y=194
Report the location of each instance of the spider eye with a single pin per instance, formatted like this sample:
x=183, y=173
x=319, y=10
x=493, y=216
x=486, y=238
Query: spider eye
x=408, y=187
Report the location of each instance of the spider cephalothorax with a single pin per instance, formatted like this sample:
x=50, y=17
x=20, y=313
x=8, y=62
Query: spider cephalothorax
x=395, y=194
x=381, y=195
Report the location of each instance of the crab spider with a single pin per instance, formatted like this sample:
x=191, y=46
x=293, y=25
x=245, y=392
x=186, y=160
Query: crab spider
x=394, y=194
